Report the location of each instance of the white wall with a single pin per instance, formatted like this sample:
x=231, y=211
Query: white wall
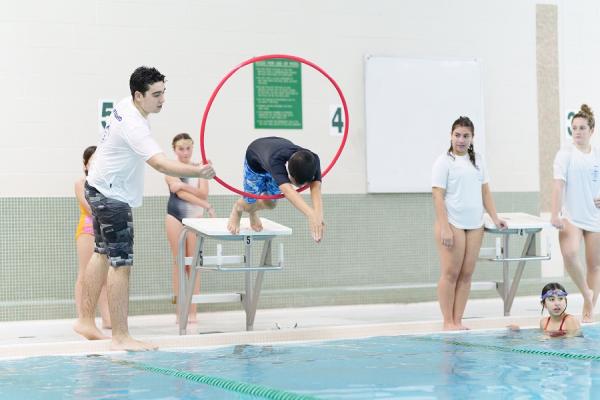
x=58, y=58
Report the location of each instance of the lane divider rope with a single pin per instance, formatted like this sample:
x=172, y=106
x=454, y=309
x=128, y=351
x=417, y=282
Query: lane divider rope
x=549, y=353
x=260, y=391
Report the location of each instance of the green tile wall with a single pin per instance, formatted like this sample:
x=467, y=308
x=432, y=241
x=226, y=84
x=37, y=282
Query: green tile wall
x=375, y=248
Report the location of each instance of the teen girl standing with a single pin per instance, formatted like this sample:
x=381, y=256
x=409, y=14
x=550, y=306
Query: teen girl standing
x=460, y=193
x=575, y=212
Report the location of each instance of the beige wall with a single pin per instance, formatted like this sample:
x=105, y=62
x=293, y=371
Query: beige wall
x=59, y=58
x=549, y=116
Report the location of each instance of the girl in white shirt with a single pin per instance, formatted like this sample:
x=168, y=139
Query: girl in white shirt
x=575, y=208
x=460, y=193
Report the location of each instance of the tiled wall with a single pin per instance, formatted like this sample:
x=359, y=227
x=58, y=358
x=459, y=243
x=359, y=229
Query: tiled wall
x=375, y=248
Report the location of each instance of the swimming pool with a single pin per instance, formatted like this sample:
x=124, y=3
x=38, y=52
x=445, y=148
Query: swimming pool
x=494, y=364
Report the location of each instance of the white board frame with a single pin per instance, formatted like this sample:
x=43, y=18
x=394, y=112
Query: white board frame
x=410, y=105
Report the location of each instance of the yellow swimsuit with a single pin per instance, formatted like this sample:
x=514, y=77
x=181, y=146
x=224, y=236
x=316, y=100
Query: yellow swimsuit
x=85, y=224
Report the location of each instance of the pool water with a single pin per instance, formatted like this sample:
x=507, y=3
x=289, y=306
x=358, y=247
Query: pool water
x=490, y=365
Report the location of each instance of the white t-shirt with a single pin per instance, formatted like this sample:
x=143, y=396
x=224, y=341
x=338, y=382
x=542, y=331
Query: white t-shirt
x=462, y=183
x=581, y=173
x=117, y=168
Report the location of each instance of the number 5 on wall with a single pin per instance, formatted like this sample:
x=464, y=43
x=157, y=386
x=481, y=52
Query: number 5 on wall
x=105, y=108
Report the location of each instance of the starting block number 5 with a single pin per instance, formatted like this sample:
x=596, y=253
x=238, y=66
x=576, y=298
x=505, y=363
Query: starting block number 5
x=248, y=240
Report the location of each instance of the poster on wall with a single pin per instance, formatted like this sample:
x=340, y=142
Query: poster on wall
x=277, y=94
x=105, y=107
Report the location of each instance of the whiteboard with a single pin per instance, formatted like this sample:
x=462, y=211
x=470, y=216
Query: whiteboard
x=410, y=107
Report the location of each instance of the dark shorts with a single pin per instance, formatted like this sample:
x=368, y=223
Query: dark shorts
x=256, y=183
x=113, y=227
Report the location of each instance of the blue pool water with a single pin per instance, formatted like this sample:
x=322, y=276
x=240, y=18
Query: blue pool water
x=491, y=365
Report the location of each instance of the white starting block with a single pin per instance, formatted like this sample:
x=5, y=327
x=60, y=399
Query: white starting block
x=216, y=228
x=518, y=224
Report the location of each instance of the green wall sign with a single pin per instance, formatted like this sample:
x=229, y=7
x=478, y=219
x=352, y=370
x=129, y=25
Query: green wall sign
x=277, y=94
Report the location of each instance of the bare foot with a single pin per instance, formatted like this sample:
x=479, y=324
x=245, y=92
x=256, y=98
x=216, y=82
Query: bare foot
x=233, y=225
x=191, y=320
x=450, y=327
x=128, y=343
x=255, y=222
x=461, y=327
x=89, y=330
x=192, y=315
x=588, y=309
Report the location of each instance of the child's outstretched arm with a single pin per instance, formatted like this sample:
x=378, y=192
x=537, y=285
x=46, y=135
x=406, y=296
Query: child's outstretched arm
x=315, y=195
x=317, y=203
x=315, y=219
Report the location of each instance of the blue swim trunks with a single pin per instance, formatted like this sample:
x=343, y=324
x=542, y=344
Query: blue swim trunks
x=256, y=183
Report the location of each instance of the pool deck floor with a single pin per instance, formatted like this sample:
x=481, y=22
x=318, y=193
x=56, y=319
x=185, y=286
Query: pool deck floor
x=49, y=337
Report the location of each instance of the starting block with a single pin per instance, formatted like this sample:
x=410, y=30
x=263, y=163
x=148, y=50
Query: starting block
x=519, y=224
x=216, y=229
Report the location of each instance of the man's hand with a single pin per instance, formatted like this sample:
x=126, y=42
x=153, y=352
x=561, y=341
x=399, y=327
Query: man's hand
x=207, y=171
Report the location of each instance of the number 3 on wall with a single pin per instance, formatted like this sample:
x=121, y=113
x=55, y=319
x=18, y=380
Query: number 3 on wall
x=336, y=120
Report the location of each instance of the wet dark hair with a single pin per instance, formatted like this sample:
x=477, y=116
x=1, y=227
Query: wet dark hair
x=142, y=78
x=302, y=166
x=552, y=286
x=178, y=137
x=467, y=123
x=87, y=154
x=586, y=113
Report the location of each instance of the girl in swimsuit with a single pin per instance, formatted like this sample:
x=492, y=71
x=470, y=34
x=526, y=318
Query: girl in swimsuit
x=84, y=239
x=559, y=323
x=186, y=200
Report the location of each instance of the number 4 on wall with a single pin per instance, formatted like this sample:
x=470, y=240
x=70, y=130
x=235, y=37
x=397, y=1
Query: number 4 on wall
x=336, y=120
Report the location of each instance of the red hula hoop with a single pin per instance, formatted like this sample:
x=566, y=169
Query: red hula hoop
x=262, y=58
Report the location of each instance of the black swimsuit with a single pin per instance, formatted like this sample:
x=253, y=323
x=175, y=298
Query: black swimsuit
x=177, y=207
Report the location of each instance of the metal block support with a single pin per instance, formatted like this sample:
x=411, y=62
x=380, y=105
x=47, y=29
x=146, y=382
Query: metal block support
x=253, y=278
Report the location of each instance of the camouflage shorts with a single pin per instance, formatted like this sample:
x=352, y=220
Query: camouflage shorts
x=113, y=227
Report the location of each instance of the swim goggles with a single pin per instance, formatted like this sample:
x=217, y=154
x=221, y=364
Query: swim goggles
x=555, y=293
